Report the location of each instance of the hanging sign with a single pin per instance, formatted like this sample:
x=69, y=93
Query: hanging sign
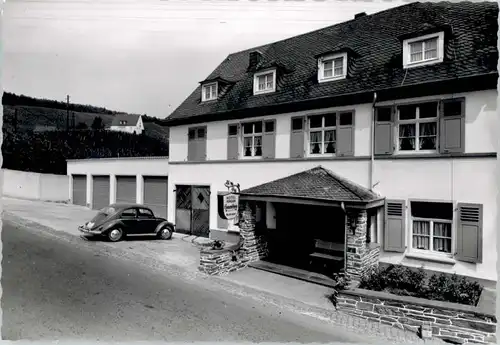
x=230, y=205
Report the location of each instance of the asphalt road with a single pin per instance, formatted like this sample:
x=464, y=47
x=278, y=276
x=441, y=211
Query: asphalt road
x=54, y=289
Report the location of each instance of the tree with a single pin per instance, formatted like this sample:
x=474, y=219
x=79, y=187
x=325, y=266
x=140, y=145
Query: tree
x=97, y=124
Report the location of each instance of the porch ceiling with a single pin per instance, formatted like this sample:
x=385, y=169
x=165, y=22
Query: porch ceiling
x=317, y=185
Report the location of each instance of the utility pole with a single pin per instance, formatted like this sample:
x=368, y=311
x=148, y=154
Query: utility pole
x=15, y=120
x=67, y=113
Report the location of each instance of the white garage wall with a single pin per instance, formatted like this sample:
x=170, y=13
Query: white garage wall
x=133, y=166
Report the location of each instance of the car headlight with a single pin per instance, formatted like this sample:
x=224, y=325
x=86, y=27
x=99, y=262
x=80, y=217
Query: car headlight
x=90, y=225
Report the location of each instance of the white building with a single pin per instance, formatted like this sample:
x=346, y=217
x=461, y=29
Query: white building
x=127, y=123
x=426, y=144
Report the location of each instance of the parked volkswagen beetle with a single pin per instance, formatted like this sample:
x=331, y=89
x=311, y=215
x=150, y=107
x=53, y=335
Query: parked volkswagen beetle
x=119, y=220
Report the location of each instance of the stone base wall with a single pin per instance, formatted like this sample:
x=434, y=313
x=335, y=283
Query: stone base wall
x=251, y=248
x=460, y=325
x=361, y=256
x=221, y=262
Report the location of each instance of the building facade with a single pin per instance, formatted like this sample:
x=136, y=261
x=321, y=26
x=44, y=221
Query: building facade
x=398, y=104
x=127, y=123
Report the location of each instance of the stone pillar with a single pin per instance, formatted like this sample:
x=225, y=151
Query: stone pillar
x=361, y=256
x=254, y=247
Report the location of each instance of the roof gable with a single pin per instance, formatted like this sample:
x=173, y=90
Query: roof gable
x=122, y=120
x=375, y=61
x=318, y=183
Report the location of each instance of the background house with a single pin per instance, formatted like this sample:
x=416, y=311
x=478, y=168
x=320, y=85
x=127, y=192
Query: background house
x=127, y=123
x=397, y=103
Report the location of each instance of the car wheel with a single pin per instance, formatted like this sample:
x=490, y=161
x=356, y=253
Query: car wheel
x=165, y=233
x=115, y=235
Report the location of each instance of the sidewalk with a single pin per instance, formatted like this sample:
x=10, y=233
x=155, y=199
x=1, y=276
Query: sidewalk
x=180, y=256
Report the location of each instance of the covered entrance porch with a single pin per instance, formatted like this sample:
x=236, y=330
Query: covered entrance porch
x=314, y=223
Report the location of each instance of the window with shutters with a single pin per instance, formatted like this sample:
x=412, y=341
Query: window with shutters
x=264, y=82
x=417, y=128
x=332, y=67
x=209, y=92
x=424, y=50
x=328, y=134
x=432, y=227
x=252, y=139
x=322, y=134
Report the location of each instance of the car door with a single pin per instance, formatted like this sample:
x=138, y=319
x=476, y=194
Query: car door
x=129, y=219
x=146, y=221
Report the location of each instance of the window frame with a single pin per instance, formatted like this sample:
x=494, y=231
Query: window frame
x=452, y=222
x=213, y=95
x=252, y=135
x=323, y=128
x=440, y=50
x=149, y=214
x=328, y=58
x=256, y=90
x=417, y=121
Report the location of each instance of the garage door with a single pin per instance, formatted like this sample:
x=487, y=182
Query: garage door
x=100, y=192
x=80, y=190
x=126, y=189
x=155, y=194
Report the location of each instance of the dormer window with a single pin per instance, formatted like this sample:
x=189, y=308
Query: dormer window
x=209, y=92
x=332, y=67
x=424, y=50
x=264, y=82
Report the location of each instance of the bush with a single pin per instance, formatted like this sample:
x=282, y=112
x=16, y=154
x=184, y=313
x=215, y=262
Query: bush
x=405, y=281
x=341, y=281
x=373, y=280
x=453, y=289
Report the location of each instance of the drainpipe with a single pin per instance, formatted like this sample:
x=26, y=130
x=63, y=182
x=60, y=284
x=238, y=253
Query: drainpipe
x=342, y=206
x=372, y=153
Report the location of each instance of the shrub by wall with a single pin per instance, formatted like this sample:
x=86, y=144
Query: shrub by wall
x=401, y=280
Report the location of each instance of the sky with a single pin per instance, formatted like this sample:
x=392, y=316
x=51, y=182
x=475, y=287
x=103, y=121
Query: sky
x=145, y=56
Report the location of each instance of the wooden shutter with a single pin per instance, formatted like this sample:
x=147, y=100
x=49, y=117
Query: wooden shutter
x=201, y=138
x=452, y=126
x=297, y=137
x=191, y=144
x=197, y=144
x=345, y=134
x=233, y=131
x=269, y=139
x=395, y=226
x=470, y=233
x=384, y=133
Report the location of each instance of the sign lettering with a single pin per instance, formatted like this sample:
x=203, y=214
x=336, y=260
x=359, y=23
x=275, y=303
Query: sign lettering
x=230, y=205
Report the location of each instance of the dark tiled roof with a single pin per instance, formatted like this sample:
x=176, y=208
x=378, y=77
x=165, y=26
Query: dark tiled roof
x=471, y=50
x=131, y=120
x=317, y=183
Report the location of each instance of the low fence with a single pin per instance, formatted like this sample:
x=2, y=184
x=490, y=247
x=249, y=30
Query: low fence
x=35, y=186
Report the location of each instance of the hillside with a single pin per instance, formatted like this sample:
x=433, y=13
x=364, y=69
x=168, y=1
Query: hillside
x=36, y=137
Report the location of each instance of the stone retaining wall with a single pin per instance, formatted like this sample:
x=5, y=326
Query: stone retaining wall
x=449, y=321
x=236, y=256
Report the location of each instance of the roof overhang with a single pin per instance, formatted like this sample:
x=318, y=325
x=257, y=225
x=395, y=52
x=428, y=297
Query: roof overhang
x=361, y=205
x=479, y=82
x=213, y=80
x=426, y=30
x=334, y=51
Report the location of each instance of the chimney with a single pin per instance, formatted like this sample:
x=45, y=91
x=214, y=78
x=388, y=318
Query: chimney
x=254, y=59
x=359, y=15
